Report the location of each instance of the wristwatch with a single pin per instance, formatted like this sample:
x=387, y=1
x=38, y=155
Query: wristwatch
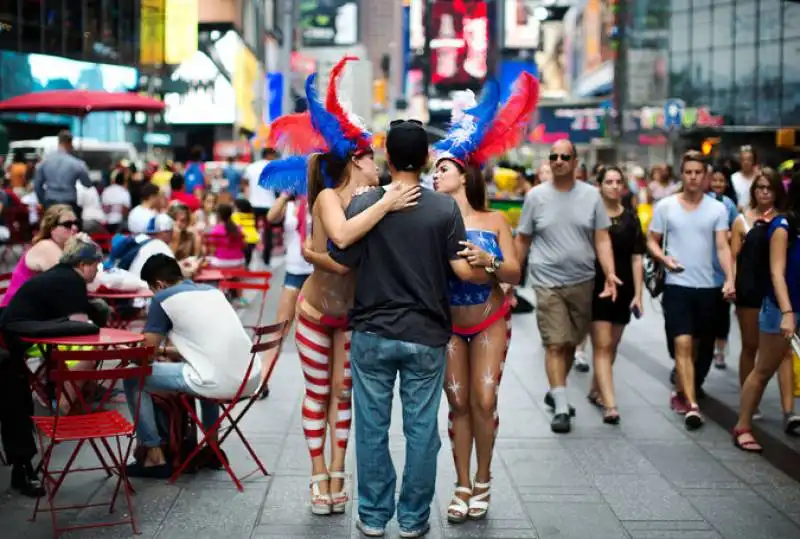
x=494, y=266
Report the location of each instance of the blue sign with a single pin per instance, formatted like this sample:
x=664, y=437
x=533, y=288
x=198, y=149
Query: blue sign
x=274, y=106
x=25, y=73
x=673, y=114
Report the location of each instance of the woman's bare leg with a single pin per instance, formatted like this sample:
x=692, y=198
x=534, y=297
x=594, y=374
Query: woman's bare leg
x=748, y=327
x=771, y=352
x=459, y=427
x=339, y=407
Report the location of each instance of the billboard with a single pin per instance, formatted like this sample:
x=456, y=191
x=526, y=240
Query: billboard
x=520, y=27
x=168, y=31
x=25, y=73
x=248, y=87
x=589, y=52
x=326, y=23
x=459, y=43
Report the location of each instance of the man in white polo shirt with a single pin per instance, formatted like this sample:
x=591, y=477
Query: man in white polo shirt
x=210, y=353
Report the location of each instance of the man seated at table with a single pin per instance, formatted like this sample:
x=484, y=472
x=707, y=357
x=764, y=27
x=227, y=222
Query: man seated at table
x=55, y=295
x=210, y=355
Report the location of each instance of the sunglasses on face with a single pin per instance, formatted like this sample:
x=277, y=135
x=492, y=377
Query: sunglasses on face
x=564, y=157
x=69, y=224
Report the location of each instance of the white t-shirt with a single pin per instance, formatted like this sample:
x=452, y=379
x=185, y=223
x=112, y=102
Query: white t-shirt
x=116, y=198
x=89, y=200
x=741, y=184
x=295, y=263
x=259, y=197
x=152, y=247
x=202, y=325
x=139, y=218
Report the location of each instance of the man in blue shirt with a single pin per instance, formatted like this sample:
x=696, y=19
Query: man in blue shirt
x=195, y=174
x=233, y=176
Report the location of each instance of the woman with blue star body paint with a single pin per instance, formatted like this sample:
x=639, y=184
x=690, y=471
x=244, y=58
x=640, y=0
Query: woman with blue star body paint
x=340, y=164
x=481, y=312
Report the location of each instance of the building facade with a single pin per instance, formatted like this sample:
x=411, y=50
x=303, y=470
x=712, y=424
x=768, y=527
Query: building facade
x=738, y=58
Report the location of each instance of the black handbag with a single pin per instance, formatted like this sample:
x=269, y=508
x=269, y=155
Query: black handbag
x=654, y=271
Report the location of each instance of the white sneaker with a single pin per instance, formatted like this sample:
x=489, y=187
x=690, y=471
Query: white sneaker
x=581, y=363
x=370, y=531
x=415, y=533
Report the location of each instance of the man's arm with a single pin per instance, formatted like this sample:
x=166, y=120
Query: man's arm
x=158, y=326
x=83, y=174
x=722, y=237
x=604, y=250
x=38, y=183
x=525, y=227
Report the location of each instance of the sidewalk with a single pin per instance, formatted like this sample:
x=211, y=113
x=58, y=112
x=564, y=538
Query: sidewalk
x=647, y=478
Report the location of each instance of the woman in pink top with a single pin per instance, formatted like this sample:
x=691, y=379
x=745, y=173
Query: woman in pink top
x=226, y=243
x=58, y=225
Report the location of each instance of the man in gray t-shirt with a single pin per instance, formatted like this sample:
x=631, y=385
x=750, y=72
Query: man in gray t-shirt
x=563, y=224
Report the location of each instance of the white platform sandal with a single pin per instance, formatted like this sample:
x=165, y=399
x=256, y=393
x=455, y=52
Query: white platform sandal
x=478, y=506
x=339, y=499
x=320, y=503
x=458, y=509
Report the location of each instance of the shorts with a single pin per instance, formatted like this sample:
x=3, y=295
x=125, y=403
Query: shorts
x=769, y=319
x=690, y=311
x=564, y=313
x=294, y=281
x=749, y=301
x=722, y=317
x=616, y=312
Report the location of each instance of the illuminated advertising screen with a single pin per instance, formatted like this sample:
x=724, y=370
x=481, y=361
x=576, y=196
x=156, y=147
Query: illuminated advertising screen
x=325, y=23
x=521, y=28
x=24, y=73
x=459, y=42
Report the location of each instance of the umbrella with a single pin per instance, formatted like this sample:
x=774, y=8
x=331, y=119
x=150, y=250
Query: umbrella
x=80, y=102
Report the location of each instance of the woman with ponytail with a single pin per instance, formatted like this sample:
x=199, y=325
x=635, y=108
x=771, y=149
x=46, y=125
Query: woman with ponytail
x=226, y=241
x=324, y=183
x=481, y=312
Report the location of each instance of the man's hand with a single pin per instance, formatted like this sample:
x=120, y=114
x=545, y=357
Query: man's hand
x=671, y=263
x=610, y=288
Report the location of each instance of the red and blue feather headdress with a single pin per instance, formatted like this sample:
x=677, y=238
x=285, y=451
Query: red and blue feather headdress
x=326, y=128
x=481, y=132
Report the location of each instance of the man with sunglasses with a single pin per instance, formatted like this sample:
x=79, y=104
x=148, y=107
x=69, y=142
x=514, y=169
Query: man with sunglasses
x=564, y=227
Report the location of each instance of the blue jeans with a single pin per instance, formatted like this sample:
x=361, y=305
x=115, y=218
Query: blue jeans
x=769, y=319
x=165, y=377
x=375, y=362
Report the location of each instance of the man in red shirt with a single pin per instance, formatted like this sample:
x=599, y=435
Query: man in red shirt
x=178, y=185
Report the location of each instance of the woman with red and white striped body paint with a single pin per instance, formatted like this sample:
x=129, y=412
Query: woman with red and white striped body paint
x=334, y=176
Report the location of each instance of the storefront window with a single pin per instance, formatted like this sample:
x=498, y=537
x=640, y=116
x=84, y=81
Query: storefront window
x=680, y=77
x=744, y=64
x=791, y=20
x=680, y=38
x=723, y=25
x=681, y=5
x=701, y=29
x=721, y=69
x=745, y=21
x=769, y=20
x=701, y=77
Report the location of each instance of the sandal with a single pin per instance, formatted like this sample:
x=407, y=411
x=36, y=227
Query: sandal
x=594, y=398
x=478, y=505
x=339, y=499
x=458, y=509
x=748, y=446
x=611, y=416
x=320, y=503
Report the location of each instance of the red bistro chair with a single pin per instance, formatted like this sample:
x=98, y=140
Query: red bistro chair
x=264, y=338
x=87, y=424
x=242, y=279
x=103, y=240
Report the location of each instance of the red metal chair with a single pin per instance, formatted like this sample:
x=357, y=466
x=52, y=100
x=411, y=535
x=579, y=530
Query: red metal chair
x=242, y=280
x=90, y=424
x=103, y=240
x=264, y=338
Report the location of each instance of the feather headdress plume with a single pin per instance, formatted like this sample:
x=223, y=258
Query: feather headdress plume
x=352, y=126
x=468, y=124
x=294, y=134
x=508, y=127
x=287, y=175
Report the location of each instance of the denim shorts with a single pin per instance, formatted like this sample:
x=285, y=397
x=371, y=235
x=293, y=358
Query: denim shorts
x=769, y=319
x=294, y=280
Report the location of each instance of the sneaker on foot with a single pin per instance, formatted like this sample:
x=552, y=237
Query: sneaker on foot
x=412, y=534
x=369, y=531
x=791, y=423
x=581, y=363
x=551, y=403
x=677, y=402
x=719, y=360
x=561, y=424
x=693, y=420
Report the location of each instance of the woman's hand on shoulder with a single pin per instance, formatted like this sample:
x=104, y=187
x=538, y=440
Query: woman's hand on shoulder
x=401, y=196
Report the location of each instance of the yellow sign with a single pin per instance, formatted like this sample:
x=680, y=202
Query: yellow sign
x=151, y=32
x=247, y=82
x=785, y=138
x=180, y=27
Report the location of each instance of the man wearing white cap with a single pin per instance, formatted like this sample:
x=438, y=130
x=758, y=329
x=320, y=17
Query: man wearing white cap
x=159, y=233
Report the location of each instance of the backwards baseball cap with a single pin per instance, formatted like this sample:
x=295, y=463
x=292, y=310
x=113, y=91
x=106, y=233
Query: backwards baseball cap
x=407, y=145
x=160, y=223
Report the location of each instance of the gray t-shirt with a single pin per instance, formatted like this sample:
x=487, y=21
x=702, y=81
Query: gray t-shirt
x=562, y=225
x=691, y=239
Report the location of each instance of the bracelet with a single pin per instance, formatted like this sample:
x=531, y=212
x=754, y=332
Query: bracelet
x=787, y=312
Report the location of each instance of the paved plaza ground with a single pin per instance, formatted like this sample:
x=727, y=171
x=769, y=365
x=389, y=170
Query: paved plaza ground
x=647, y=478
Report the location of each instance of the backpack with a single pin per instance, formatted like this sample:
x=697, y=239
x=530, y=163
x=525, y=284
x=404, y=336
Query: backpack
x=123, y=251
x=752, y=263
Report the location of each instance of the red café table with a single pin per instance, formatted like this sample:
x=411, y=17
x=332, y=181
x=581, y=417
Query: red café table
x=105, y=338
x=209, y=275
x=115, y=298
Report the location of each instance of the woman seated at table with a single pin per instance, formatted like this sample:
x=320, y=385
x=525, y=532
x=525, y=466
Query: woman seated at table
x=58, y=225
x=209, y=357
x=185, y=242
x=56, y=295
